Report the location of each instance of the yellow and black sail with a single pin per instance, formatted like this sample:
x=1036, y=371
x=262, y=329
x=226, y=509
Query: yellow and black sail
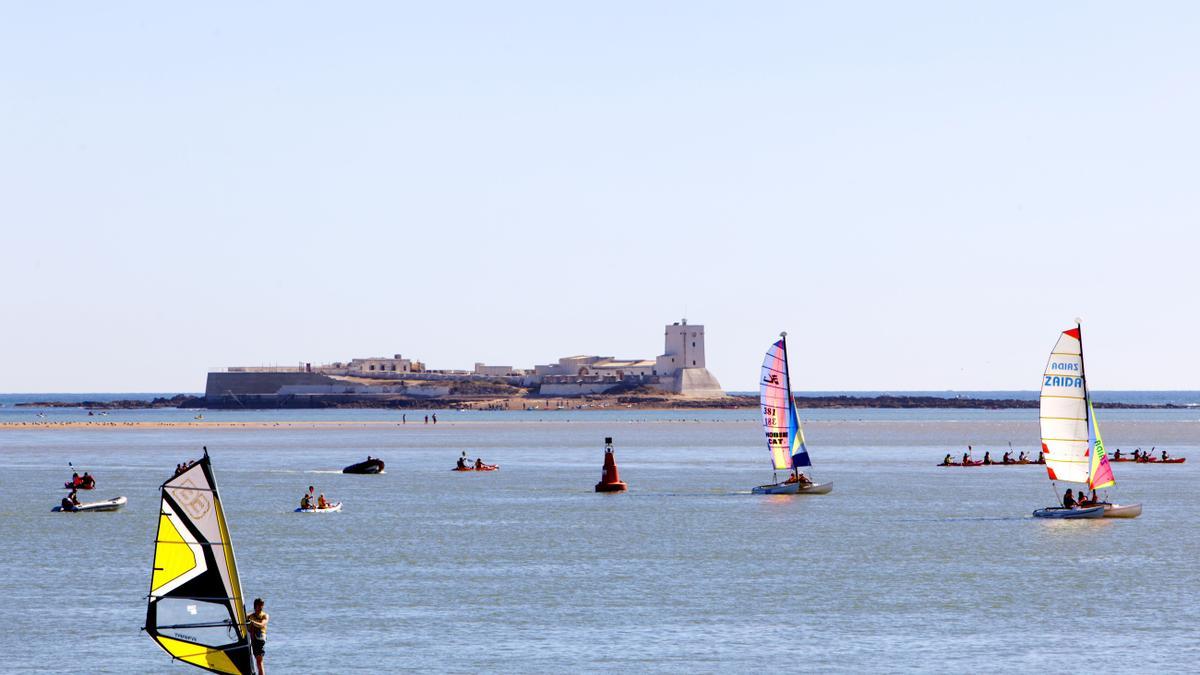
x=196, y=611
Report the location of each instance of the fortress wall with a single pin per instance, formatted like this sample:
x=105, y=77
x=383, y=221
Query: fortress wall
x=694, y=382
x=221, y=384
x=575, y=389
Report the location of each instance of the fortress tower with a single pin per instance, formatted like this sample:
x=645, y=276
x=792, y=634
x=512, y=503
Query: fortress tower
x=682, y=364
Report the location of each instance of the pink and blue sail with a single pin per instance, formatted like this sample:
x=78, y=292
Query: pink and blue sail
x=785, y=437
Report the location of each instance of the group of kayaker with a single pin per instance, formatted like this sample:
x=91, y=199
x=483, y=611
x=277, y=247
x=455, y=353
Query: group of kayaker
x=987, y=460
x=1140, y=455
x=84, y=482
x=308, y=503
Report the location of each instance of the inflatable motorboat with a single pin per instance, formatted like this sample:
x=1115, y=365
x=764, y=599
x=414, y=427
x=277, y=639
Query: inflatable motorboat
x=369, y=465
x=106, y=505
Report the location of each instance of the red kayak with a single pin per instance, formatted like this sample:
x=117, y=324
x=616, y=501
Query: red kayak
x=486, y=467
x=1173, y=460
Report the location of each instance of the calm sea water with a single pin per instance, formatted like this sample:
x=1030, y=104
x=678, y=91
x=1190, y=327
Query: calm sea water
x=904, y=567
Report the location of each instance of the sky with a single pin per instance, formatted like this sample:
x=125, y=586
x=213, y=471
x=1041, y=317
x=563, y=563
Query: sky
x=923, y=194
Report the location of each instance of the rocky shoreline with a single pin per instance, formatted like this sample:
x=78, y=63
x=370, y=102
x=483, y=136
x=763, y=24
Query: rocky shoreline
x=639, y=400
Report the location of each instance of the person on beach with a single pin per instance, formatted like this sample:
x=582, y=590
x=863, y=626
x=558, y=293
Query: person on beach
x=427, y=419
x=1068, y=500
x=257, y=622
x=435, y=418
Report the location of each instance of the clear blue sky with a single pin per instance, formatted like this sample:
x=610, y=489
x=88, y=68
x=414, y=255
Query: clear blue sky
x=922, y=193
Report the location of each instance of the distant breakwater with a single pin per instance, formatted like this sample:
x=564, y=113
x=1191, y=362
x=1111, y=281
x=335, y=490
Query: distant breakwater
x=634, y=401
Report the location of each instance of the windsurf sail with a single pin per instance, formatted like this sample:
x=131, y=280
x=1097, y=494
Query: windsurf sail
x=785, y=437
x=195, y=610
x=1071, y=441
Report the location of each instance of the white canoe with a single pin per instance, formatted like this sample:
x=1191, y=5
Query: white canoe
x=106, y=505
x=793, y=488
x=332, y=508
x=1122, y=510
x=1060, y=512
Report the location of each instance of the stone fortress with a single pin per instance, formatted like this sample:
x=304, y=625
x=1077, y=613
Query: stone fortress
x=679, y=370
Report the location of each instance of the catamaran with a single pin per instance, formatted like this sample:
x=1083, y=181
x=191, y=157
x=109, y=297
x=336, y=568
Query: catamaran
x=195, y=610
x=1071, y=441
x=785, y=438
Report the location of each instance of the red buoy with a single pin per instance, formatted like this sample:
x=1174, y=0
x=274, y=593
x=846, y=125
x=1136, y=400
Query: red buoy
x=610, y=480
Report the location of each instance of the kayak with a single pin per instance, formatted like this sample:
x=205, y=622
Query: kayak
x=486, y=467
x=374, y=465
x=336, y=506
x=793, y=488
x=106, y=505
x=68, y=486
x=1174, y=460
x=1122, y=510
x=1060, y=512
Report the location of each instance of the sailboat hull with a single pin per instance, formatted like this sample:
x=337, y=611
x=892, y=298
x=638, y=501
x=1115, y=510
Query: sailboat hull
x=794, y=488
x=1122, y=510
x=1061, y=513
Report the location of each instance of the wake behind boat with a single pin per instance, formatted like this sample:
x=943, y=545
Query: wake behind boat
x=785, y=438
x=1071, y=441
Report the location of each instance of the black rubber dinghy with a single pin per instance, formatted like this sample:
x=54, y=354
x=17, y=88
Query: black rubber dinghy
x=372, y=465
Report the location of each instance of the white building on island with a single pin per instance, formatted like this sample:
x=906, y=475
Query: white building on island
x=679, y=369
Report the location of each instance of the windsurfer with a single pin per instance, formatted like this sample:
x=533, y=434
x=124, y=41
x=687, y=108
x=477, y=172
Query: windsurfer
x=257, y=622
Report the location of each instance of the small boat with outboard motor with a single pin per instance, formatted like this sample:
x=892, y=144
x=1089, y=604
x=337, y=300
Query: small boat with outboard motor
x=368, y=466
x=113, y=504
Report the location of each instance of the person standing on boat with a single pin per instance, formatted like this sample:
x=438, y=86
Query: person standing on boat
x=257, y=623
